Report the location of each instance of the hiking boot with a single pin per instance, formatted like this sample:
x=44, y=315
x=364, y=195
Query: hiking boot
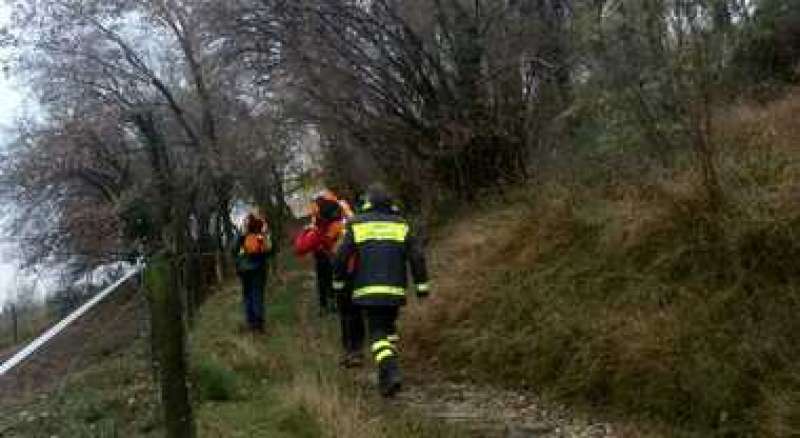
x=352, y=360
x=326, y=311
x=389, y=379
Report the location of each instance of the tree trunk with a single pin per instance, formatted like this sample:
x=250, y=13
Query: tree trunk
x=163, y=291
x=15, y=323
x=192, y=283
x=219, y=250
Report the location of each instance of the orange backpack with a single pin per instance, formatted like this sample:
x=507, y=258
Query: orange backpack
x=255, y=243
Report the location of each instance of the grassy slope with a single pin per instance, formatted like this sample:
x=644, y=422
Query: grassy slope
x=624, y=296
x=287, y=383
x=33, y=322
x=86, y=384
x=284, y=384
x=113, y=397
x=631, y=297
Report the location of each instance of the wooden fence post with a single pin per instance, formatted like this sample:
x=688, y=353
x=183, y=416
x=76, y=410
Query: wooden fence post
x=169, y=344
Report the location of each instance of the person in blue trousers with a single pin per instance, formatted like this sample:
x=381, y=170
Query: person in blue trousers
x=252, y=250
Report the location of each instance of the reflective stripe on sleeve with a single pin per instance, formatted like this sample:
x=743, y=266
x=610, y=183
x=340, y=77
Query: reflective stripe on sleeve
x=424, y=287
x=383, y=355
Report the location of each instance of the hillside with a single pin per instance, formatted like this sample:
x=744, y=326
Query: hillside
x=86, y=381
x=625, y=298
x=288, y=383
x=630, y=296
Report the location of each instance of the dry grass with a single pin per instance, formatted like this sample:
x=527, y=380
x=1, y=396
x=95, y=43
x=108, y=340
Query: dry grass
x=632, y=295
x=781, y=410
x=343, y=414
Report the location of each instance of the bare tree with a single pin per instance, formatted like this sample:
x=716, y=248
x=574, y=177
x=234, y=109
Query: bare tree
x=429, y=91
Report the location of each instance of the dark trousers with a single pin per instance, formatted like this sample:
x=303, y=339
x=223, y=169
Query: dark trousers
x=352, y=322
x=382, y=322
x=324, y=282
x=253, y=283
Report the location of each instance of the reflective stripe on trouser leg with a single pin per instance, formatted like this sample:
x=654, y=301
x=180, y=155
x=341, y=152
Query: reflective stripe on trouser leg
x=382, y=350
x=387, y=290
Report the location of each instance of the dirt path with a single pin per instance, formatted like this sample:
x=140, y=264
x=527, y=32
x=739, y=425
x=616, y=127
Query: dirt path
x=485, y=411
x=481, y=411
x=491, y=412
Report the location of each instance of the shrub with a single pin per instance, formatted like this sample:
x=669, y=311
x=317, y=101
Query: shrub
x=212, y=381
x=633, y=295
x=771, y=47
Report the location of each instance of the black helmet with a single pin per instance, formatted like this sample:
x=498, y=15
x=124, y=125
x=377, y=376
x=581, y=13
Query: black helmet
x=377, y=197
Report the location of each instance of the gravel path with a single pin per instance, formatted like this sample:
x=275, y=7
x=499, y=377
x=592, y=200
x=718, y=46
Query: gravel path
x=492, y=412
x=481, y=411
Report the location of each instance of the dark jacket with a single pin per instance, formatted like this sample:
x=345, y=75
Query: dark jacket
x=384, y=247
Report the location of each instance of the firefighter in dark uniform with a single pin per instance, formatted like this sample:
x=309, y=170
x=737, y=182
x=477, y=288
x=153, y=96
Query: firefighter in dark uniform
x=375, y=254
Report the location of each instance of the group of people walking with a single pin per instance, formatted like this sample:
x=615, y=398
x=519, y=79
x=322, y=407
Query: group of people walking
x=362, y=258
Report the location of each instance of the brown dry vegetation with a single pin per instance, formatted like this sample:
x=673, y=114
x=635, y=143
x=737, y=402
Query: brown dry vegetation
x=633, y=297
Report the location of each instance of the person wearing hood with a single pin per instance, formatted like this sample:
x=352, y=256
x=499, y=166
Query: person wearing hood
x=328, y=217
x=377, y=251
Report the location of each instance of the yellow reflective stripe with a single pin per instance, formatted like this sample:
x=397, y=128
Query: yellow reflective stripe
x=388, y=231
x=383, y=355
x=379, y=290
x=423, y=287
x=381, y=344
x=393, y=338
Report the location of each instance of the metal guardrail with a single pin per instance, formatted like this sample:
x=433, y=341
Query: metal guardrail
x=54, y=331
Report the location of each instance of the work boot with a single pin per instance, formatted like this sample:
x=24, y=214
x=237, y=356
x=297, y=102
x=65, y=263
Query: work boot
x=352, y=360
x=327, y=310
x=389, y=379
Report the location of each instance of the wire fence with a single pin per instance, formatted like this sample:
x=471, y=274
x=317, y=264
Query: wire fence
x=21, y=322
x=97, y=376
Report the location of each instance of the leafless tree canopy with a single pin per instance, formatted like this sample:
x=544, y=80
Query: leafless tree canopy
x=158, y=111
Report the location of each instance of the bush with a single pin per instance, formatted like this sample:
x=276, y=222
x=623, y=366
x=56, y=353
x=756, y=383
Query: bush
x=781, y=408
x=212, y=381
x=771, y=47
x=633, y=295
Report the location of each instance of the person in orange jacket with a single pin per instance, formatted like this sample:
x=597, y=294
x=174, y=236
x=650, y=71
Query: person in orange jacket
x=328, y=217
